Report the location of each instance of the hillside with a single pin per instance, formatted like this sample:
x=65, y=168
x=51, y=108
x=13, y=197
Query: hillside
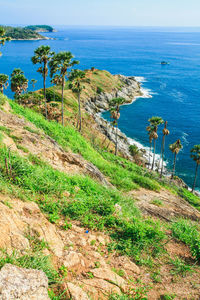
x=22, y=33
x=99, y=226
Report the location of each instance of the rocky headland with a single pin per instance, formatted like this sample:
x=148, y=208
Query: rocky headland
x=130, y=90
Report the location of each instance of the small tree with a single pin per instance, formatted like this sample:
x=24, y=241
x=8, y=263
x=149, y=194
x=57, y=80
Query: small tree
x=175, y=148
x=60, y=63
x=154, y=123
x=195, y=155
x=115, y=115
x=19, y=83
x=43, y=55
x=3, y=82
x=77, y=79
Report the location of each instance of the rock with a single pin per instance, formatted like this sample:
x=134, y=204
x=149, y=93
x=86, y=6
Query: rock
x=107, y=274
x=72, y=259
x=23, y=284
x=127, y=264
x=101, y=284
x=76, y=292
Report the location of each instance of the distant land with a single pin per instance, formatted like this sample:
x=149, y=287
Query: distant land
x=28, y=32
x=41, y=28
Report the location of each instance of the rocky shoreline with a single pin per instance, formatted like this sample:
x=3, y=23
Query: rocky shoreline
x=95, y=106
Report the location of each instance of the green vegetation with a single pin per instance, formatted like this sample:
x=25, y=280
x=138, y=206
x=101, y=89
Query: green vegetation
x=188, y=232
x=179, y=267
x=20, y=33
x=191, y=198
x=69, y=138
x=59, y=65
x=40, y=28
x=31, y=261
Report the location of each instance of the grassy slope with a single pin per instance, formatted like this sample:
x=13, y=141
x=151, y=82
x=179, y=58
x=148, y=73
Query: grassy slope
x=89, y=202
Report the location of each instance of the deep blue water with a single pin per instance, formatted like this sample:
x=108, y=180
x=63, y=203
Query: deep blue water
x=136, y=51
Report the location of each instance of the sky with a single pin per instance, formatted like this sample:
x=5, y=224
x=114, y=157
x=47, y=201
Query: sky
x=101, y=12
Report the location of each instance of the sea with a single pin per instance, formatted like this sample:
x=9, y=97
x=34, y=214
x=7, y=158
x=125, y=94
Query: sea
x=135, y=51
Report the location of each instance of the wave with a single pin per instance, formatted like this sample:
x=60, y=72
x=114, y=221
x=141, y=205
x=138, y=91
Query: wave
x=140, y=79
x=183, y=44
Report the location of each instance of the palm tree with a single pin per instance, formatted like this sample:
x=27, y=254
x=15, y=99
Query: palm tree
x=3, y=82
x=115, y=114
x=61, y=62
x=175, y=148
x=19, y=83
x=3, y=38
x=77, y=78
x=196, y=157
x=155, y=122
x=150, y=130
x=33, y=82
x=43, y=55
x=165, y=133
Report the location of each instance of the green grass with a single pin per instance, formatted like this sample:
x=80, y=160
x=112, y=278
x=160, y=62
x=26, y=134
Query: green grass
x=123, y=178
x=36, y=261
x=188, y=232
x=89, y=202
x=180, y=267
x=157, y=202
x=191, y=198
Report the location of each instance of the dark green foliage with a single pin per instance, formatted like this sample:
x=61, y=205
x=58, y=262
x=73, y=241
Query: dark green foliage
x=20, y=33
x=52, y=95
x=40, y=28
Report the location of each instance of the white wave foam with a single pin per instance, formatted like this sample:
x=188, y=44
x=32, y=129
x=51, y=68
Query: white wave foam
x=140, y=79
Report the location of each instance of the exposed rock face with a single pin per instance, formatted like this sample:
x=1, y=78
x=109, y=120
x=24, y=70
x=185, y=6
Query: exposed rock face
x=76, y=292
x=23, y=284
x=94, y=106
x=131, y=89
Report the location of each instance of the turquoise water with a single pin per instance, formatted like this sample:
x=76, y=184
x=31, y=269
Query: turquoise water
x=175, y=88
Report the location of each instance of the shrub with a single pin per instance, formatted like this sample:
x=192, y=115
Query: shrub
x=99, y=90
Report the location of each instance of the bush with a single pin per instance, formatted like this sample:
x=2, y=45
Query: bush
x=134, y=150
x=52, y=95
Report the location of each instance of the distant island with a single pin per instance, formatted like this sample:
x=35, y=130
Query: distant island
x=41, y=28
x=26, y=33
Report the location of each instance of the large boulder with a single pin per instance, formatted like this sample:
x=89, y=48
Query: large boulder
x=22, y=284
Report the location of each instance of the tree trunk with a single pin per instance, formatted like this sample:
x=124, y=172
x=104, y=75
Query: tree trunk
x=150, y=155
x=116, y=142
x=161, y=153
x=154, y=154
x=2, y=90
x=173, y=172
x=162, y=158
x=79, y=110
x=195, y=178
x=63, y=85
x=44, y=78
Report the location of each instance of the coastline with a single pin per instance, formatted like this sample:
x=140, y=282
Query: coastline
x=131, y=91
